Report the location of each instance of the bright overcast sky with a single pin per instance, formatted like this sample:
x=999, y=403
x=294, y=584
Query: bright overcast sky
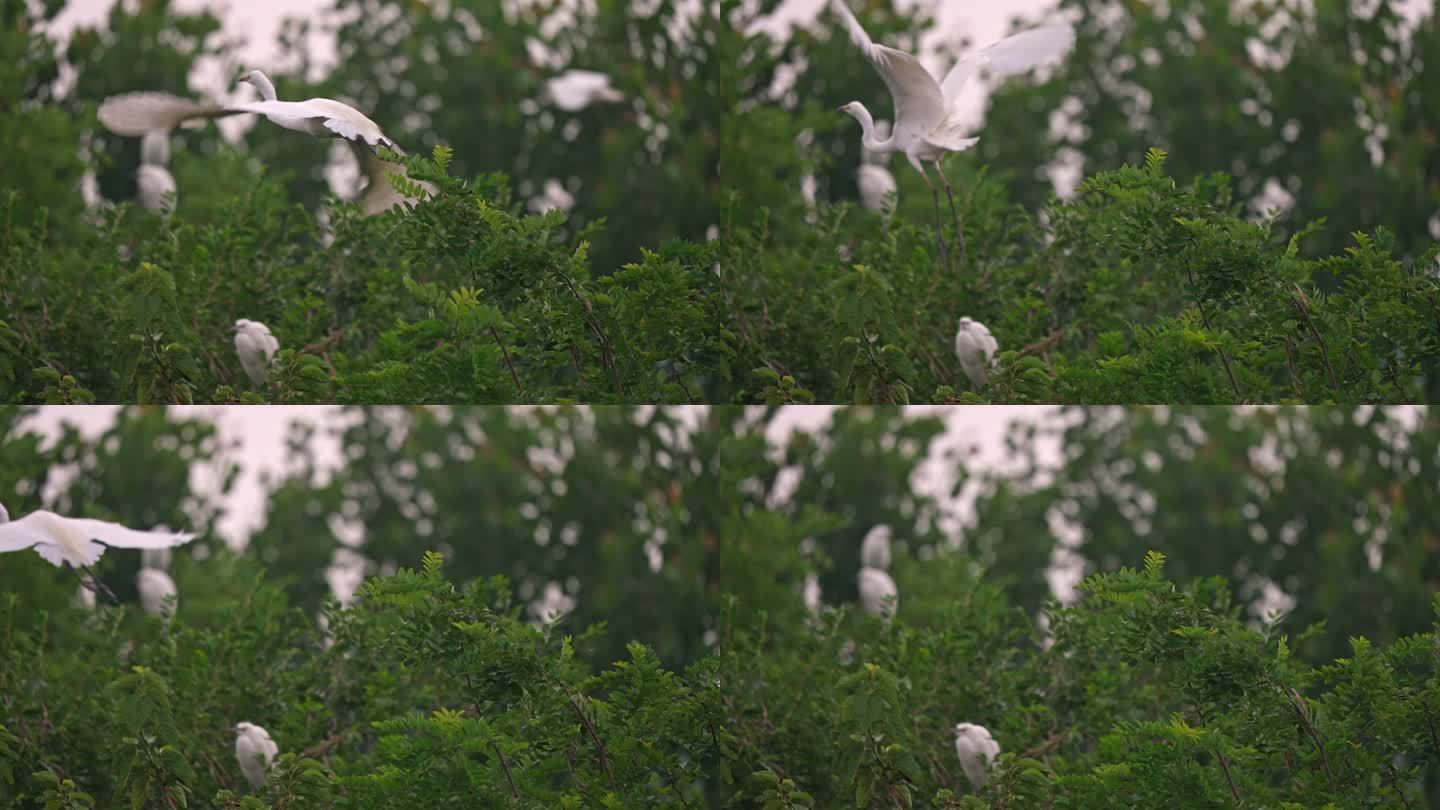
x=259, y=433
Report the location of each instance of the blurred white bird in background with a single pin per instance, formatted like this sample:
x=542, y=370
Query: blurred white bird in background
x=78, y=542
x=875, y=548
x=878, y=594
x=975, y=347
x=876, y=589
x=574, y=90
x=811, y=594
x=928, y=122
x=155, y=183
x=256, y=347
x=977, y=751
x=256, y=753
x=155, y=584
x=155, y=558
x=139, y=113
x=155, y=587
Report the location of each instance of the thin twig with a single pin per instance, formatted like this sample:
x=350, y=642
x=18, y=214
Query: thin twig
x=594, y=735
x=1314, y=735
x=519, y=389
x=675, y=787
x=1294, y=373
x=505, y=766
x=1396, y=784
x=1298, y=298
x=1205, y=318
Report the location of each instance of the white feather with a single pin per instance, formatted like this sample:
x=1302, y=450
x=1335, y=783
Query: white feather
x=875, y=548
x=256, y=347
x=876, y=588
x=78, y=541
x=255, y=752
x=977, y=751
x=877, y=189
x=155, y=587
x=975, y=347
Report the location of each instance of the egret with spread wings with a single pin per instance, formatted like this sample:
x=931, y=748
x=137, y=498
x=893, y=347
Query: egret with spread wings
x=928, y=123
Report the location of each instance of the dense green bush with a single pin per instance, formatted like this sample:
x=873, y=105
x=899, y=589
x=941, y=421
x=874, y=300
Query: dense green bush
x=466, y=298
x=1144, y=694
x=684, y=536
x=1161, y=280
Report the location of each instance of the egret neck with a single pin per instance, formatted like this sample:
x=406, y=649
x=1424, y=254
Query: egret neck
x=867, y=127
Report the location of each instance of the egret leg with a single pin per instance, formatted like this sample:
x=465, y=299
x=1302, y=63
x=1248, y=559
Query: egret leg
x=954, y=213
x=939, y=229
x=93, y=584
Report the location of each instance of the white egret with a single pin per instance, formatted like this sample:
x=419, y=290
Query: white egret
x=976, y=348
x=875, y=548
x=811, y=594
x=78, y=542
x=878, y=594
x=574, y=90
x=256, y=347
x=156, y=185
x=138, y=113
x=977, y=751
x=878, y=190
x=256, y=753
x=928, y=123
x=155, y=587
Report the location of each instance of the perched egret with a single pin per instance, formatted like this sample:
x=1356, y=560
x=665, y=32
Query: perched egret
x=256, y=347
x=811, y=594
x=138, y=113
x=875, y=548
x=77, y=541
x=256, y=752
x=156, y=185
x=928, y=123
x=876, y=590
x=976, y=348
x=155, y=586
x=574, y=90
x=977, y=750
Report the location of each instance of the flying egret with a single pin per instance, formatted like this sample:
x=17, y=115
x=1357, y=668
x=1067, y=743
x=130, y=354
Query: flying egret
x=875, y=548
x=256, y=752
x=574, y=90
x=156, y=185
x=78, y=542
x=155, y=586
x=138, y=113
x=928, y=123
x=976, y=348
x=977, y=750
x=256, y=347
x=878, y=594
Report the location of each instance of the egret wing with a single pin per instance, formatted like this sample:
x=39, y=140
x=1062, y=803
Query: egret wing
x=918, y=102
x=21, y=534
x=113, y=534
x=138, y=113
x=1011, y=55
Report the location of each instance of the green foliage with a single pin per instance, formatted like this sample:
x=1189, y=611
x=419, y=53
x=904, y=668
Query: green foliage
x=609, y=302
x=688, y=672
x=1159, y=280
x=1141, y=691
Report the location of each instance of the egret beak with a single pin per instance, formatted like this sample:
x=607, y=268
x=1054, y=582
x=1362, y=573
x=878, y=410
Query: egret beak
x=841, y=108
